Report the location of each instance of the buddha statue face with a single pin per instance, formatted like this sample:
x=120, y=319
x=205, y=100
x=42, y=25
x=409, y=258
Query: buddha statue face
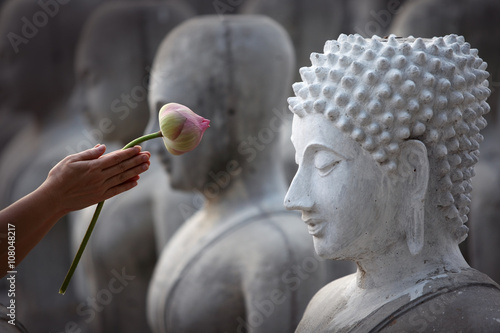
x=189, y=171
x=386, y=133
x=233, y=72
x=172, y=81
x=341, y=191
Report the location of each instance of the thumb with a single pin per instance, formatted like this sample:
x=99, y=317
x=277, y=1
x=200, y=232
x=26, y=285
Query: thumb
x=91, y=154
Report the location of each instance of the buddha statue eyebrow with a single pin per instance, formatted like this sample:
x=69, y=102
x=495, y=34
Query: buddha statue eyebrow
x=323, y=146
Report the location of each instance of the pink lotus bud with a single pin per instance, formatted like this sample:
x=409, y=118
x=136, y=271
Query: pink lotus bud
x=182, y=129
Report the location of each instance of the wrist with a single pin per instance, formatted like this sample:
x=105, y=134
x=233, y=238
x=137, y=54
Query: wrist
x=51, y=197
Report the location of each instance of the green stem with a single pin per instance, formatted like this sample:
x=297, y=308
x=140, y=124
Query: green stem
x=92, y=224
x=142, y=139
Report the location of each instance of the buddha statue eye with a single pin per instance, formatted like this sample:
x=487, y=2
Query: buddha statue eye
x=325, y=162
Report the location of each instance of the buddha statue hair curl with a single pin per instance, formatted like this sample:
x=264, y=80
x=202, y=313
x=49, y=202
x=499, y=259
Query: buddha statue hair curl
x=381, y=92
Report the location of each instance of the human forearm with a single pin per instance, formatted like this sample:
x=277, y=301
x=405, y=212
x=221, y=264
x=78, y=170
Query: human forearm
x=31, y=217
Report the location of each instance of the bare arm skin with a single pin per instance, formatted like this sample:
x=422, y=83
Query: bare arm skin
x=76, y=182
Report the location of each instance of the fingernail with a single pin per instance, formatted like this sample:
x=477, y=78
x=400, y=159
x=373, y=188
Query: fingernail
x=145, y=167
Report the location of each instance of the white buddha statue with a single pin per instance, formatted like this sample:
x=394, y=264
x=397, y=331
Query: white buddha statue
x=386, y=133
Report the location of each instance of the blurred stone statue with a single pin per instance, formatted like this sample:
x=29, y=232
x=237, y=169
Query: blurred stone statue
x=241, y=263
x=478, y=22
x=36, y=79
x=372, y=17
x=387, y=136
x=309, y=23
x=113, y=65
x=214, y=7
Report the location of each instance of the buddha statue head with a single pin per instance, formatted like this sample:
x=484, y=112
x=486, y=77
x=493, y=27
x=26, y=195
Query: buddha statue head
x=113, y=64
x=234, y=72
x=386, y=133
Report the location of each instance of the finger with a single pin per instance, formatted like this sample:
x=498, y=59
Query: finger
x=125, y=186
x=89, y=154
x=126, y=175
x=118, y=156
x=147, y=153
x=125, y=165
x=134, y=179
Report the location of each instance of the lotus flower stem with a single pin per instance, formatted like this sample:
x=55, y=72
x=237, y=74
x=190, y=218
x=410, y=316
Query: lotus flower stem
x=98, y=209
x=142, y=139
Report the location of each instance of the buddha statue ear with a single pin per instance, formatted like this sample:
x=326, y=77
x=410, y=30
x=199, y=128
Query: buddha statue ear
x=413, y=171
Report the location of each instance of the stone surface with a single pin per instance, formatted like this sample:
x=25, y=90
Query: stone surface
x=473, y=19
x=215, y=7
x=477, y=22
x=113, y=66
x=242, y=262
x=387, y=136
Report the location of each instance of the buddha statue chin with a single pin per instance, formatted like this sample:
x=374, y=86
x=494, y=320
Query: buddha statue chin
x=386, y=133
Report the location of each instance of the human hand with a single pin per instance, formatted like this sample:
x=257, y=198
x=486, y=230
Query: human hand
x=89, y=177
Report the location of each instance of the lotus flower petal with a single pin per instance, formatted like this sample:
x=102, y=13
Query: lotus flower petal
x=182, y=129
